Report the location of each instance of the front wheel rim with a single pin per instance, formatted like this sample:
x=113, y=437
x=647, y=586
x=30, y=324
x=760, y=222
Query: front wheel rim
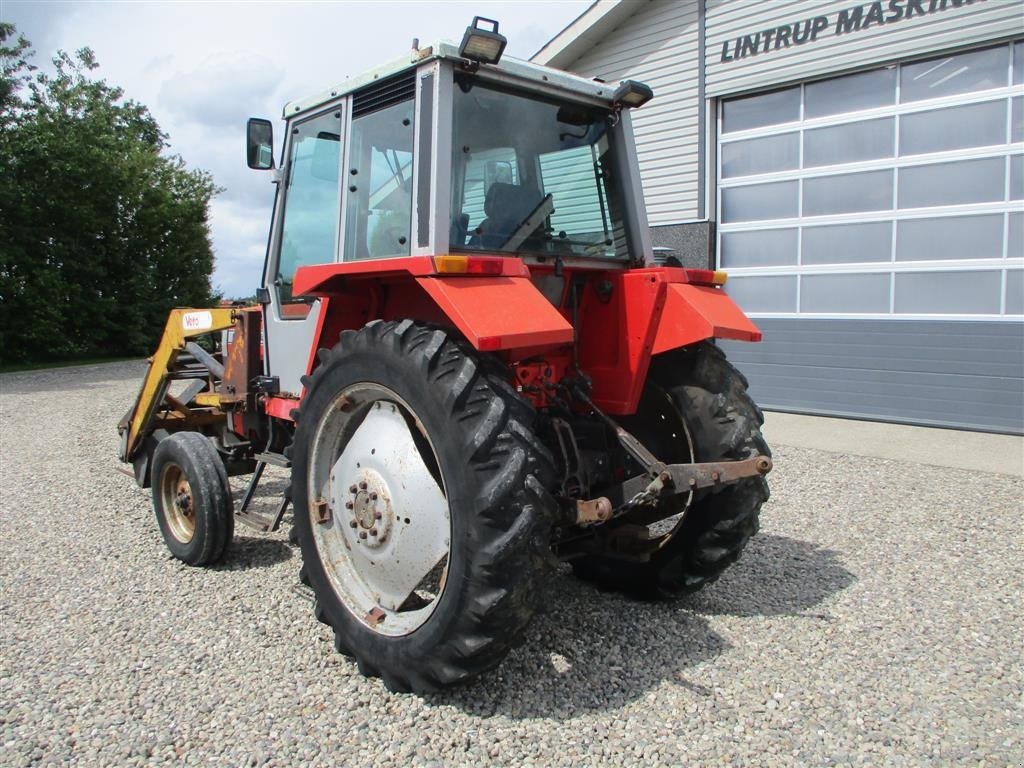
x=378, y=509
x=178, y=503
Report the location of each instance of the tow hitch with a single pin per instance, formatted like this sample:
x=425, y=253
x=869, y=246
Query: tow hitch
x=659, y=479
x=669, y=480
x=681, y=478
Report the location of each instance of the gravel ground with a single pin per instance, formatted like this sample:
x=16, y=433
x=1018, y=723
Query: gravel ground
x=876, y=620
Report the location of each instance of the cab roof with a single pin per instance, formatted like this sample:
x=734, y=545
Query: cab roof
x=509, y=67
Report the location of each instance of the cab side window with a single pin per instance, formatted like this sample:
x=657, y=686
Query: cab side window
x=312, y=201
x=378, y=213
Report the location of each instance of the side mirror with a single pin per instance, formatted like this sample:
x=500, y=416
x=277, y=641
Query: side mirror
x=259, y=144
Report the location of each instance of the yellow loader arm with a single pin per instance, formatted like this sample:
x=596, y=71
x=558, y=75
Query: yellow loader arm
x=182, y=324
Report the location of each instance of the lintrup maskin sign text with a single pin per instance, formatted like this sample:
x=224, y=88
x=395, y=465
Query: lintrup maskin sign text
x=853, y=19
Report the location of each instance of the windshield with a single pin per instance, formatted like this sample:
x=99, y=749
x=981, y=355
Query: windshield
x=533, y=176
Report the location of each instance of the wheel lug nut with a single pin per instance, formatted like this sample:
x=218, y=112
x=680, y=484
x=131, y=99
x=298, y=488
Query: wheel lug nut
x=377, y=515
x=352, y=489
x=373, y=531
x=352, y=523
x=373, y=497
x=362, y=485
x=348, y=505
x=362, y=534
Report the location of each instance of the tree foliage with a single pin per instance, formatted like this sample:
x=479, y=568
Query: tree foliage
x=101, y=233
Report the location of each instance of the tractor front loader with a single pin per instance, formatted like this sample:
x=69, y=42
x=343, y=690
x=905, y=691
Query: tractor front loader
x=468, y=359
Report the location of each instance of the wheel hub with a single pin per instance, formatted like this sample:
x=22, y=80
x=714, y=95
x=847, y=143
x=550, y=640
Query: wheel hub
x=370, y=509
x=183, y=500
x=178, y=503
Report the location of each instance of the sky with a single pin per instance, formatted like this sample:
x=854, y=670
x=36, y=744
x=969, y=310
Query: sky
x=203, y=68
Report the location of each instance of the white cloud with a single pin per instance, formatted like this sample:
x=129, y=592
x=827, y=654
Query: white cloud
x=202, y=68
x=221, y=90
x=240, y=245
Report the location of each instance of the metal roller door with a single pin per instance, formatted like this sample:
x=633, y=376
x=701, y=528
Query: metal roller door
x=873, y=226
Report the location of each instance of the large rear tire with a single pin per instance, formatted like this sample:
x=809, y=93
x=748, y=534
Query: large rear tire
x=412, y=458
x=693, y=397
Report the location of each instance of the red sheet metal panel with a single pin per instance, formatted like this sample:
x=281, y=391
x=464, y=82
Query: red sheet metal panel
x=644, y=312
x=693, y=313
x=281, y=407
x=616, y=335
x=318, y=279
x=496, y=313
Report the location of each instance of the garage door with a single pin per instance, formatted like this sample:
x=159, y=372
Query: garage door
x=873, y=225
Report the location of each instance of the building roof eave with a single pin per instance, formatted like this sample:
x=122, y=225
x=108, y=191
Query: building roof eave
x=585, y=31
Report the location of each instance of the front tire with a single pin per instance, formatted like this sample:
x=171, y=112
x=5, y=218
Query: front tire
x=695, y=407
x=410, y=456
x=192, y=498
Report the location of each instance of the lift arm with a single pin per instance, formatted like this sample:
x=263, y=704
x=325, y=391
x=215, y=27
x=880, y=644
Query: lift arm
x=182, y=324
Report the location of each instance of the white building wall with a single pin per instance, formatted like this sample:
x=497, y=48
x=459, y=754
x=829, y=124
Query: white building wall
x=658, y=45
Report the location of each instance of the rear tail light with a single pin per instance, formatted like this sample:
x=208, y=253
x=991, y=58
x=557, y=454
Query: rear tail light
x=454, y=264
x=707, y=276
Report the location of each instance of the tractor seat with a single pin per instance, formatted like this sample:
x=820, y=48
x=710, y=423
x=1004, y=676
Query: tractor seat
x=506, y=207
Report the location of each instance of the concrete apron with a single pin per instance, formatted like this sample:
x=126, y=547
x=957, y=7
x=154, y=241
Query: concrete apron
x=979, y=451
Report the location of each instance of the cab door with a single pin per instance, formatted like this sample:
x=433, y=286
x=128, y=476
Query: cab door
x=305, y=232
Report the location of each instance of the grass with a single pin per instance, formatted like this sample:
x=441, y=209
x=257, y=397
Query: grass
x=17, y=367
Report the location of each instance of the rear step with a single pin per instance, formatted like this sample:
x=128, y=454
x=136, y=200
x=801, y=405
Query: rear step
x=262, y=523
x=277, y=459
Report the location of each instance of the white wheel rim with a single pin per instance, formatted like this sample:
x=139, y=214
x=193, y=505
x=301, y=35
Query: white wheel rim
x=385, y=543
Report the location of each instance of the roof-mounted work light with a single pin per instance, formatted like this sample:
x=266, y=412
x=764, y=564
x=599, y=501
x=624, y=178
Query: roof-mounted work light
x=482, y=45
x=632, y=94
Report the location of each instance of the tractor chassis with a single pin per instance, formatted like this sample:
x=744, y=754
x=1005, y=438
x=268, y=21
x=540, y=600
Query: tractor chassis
x=228, y=397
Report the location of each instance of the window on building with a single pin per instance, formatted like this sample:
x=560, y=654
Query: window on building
x=895, y=191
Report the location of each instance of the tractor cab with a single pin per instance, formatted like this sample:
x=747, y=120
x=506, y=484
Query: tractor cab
x=438, y=152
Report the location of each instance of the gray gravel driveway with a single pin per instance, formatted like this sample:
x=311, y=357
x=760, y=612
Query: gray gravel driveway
x=876, y=620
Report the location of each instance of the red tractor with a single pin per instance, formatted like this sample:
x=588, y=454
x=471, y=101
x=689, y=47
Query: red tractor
x=467, y=358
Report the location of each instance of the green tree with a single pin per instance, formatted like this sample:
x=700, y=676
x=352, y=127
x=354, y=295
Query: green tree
x=101, y=233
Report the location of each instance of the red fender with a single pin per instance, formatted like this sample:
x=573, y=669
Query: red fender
x=500, y=310
x=642, y=313
x=499, y=313
x=693, y=313
x=625, y=316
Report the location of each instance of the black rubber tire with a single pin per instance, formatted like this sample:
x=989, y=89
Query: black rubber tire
x=710, y=396
x=200, y=462
x=501, y=513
